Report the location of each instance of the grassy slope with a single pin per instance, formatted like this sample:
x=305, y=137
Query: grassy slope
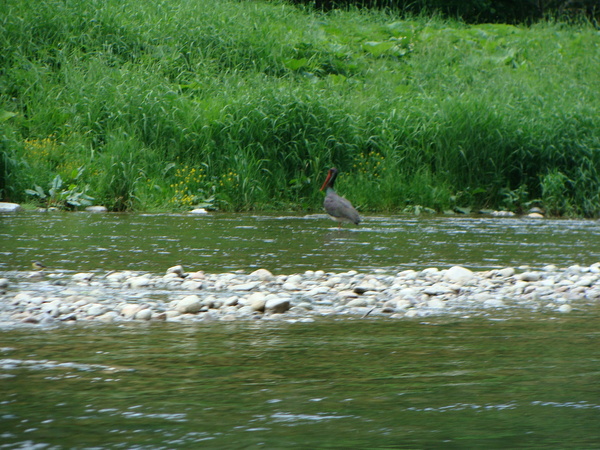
x=164, y=104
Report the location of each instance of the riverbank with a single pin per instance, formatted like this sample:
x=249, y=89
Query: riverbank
x=187, y=110
x=40, y=298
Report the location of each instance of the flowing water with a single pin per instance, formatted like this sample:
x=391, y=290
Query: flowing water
x=515, y=381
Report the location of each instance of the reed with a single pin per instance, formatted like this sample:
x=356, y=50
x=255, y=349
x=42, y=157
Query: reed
x=262, y=97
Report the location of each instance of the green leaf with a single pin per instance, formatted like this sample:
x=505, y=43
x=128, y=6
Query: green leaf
x=378, y=48
x=296, y=64
x=5, y=115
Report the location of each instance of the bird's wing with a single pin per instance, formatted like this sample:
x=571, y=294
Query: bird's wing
x=341, y=208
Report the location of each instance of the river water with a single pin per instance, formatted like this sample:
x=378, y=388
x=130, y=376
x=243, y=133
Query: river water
x=528, y=380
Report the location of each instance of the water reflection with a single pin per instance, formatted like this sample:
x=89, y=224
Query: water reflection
x=287, y=244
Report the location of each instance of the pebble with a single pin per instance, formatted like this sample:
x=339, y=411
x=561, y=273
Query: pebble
x=130, y=296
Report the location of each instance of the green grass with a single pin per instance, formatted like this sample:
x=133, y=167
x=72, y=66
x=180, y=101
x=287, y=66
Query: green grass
x=151, y=105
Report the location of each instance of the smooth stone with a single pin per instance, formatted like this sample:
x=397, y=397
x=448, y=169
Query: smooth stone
x=320, y=290
x=256, y=296
x=357, y=303
x=116, y=277
x=436, y=303
x=535, y=215
x=138, y=282
x=96, y=309
x=177, y=270
x=290, y=286
x=586, y=281
x=9, y=207
x=191, y=285
x=96, y=209
x=437, y=289
x=231, y=301
x=82, y=277
x=411, y=313
x=199, y=211
x=4, y=283
x=459, y=274
x=245, y=286
x=294, y=279
x=565, y=308
x=129, y=310
x=506, y=272
x=109, y=316
x=529, y=276
x=278, y=305
x=190, y=304
x=144, y=314
x=258, y=305
x=262, y=275
x=503, y=213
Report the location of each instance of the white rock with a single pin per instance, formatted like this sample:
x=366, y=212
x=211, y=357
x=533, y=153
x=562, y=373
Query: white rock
x=256, y=296
x=245, y=286
x=320, y=290
x=109, y=316
x=190, y=304
x=4, y=283
x=411, y=313
x=144, y=314
x=116, y=277
x=199, y=211
x=231, y=301
x=130, y=309
x=437, y=289
x=96, y=209
x=290, y=286
x=192, y=285
x=357, y=303
x=586, y=281
x=138, y=282
x=96, y=309
x=277, y=305
x=262, y=275
x=82, y=277
x=9, y=207
x=258, y=305
x=459, y=274
x=529, y=276
x=295, y=279
x=177, y=270
x=436, y=303
x=565, y=308
x=22, y=297
x=506, y=272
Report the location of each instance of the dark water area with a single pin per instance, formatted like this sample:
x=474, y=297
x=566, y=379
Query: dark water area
x=288, y=244
x=510, y=380
x=521, y=383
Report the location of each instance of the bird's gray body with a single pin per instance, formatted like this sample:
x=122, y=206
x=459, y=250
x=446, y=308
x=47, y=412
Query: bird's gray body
x=338, y=208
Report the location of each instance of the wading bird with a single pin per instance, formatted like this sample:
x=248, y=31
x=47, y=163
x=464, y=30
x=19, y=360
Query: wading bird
x=338, y=208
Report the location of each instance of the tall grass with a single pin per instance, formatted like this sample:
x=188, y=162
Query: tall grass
x=243, y=105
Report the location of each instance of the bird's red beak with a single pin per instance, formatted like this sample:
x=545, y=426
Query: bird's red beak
x=326, y=181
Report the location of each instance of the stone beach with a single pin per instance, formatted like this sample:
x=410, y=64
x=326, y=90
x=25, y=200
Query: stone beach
x=41, y=298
